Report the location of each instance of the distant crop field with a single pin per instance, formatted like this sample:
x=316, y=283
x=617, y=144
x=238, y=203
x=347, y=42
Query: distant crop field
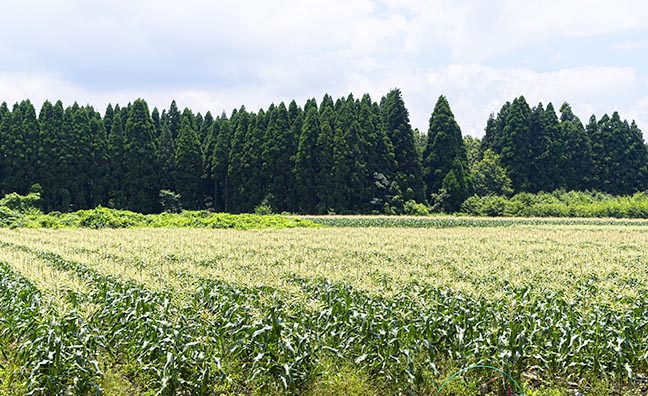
x=366, y=309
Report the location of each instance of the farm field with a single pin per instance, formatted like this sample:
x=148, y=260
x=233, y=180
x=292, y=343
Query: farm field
x=366, y=309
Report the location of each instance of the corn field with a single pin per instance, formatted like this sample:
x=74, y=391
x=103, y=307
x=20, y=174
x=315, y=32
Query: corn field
x=364, y=310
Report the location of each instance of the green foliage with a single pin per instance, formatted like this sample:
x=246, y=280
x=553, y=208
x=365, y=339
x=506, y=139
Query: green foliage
x=140, y=178
x=264, y=208
x=490, y=177
x=413, y=208
x=21, y=203
x=170, y=201
x=560, y=204
x=445, y=161
x=310, y=160
x=409, y=172
x=188, y=163
x=106, y=218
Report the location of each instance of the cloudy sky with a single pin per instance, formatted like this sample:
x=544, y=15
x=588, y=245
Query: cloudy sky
x=216, y=55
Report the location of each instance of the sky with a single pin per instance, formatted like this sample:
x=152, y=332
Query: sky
x=218, y=55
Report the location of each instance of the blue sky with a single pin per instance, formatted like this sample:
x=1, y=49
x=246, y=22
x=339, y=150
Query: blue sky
x=218, y=55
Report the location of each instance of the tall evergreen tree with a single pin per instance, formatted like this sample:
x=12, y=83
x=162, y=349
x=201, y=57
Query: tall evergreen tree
x=51, y=151
x=306, y=166
x=235, y=199
x=545, y=173
x=576, y=164
x=99, y=182
x=109, y=114
x=78, y=154
x=445, y=153
x=516, y=151
x=20, y=135
x=188, y=163
x=220, y=161
x=409, y=173
x=116, y=194
x=140, y=179
x=494, y=138
x=277, y=158
x=165, y=153
x=325, y=159
x=174, y=119
x=352, y=184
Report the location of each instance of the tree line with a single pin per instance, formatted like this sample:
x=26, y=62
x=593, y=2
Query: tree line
x=345, y=156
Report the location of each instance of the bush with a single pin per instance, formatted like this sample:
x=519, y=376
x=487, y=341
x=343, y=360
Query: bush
x=414, y=208
x=21, y=203
x=559, y=204
x=101, y=217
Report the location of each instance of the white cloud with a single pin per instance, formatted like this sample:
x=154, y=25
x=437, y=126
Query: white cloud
x=217, y=55
x=475, y=91
x=639, y=113
x=478, y=30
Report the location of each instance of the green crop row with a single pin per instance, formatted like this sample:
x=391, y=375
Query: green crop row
x=451, y=221
x=58, y=352
x=221, y=335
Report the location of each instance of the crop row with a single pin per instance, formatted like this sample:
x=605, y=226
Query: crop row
x=225, y=334
x=447, y=221
x=57, y=351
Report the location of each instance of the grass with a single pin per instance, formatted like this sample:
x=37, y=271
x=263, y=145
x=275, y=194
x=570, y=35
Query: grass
x=360, y=310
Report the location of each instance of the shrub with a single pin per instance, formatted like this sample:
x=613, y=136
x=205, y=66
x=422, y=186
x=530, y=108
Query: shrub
x=414, y=208
x=21, y=203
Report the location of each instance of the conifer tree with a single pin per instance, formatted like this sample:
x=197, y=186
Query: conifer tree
x=51, y=151
x=188, y=163
x=325, y=160
x=220, y=161
x=99, y=179
x=236, y=164
x=109, y=114
x=139, y=160
x=306, y=167
x=350, y=177
x=277, y=161
x=116, y=194
x=256, y=186
x=516, y=150
x=409, y=174
x=576, y=164
x=445, y=153
x=174, y=119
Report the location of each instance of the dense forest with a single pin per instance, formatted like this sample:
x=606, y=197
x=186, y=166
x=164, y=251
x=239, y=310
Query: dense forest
x=345, y=156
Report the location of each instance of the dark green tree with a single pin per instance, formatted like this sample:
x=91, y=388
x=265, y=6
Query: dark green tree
x=516, y=151
x=188, y=163
x=576, y=164
x=445, y=153
x=140, y=179
x=494, y=137
x=116, y=194
x=352, y=192
x=325, y=159
x=306, y=166
x=278, y=158
x=235, y=198
x=220, y=161
x=409, y=173
x=99, y=182
x=173, y=119
x=51, y=151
